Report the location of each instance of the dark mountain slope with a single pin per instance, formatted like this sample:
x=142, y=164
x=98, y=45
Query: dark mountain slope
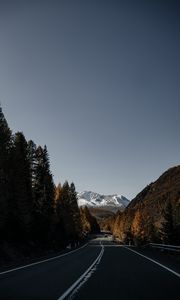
x=153, y=215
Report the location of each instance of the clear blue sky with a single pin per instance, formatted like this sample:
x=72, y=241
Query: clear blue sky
x=99, y=83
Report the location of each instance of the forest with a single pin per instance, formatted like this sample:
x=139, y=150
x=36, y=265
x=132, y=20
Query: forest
x=35, y=215
x=153, y=216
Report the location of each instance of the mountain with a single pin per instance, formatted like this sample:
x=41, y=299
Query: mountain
x=89, y=198
x=102, y=206
x=153, y=215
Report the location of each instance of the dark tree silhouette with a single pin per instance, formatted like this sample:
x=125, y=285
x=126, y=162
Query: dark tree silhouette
x=44, y=193
x=22, y=187
x=5, y=151
x=32, y=213
x=31, y=154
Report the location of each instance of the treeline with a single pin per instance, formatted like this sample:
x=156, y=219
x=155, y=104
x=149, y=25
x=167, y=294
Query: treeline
x=153, y=215
x=32, y=208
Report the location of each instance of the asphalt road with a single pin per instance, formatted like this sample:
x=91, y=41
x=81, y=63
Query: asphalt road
x=110, y=272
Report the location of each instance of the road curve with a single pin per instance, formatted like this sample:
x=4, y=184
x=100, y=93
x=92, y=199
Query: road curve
x=48, y=280
x=125, y=275
x=113, y=273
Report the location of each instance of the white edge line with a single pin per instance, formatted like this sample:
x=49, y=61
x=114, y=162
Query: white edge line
x=154, y=261
x=42, y=261
x=71, y=288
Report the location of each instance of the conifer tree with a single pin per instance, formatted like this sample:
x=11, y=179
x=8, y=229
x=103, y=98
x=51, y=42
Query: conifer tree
x=58, y=191
x=22, y=185
x=75, y=213
x=31, y=154
x=137, y=228
x=64, y=212
x=89, y=223
x=151, y=232
x=60, y=216
x=44, y=192
x=166, y=231
x=68, y=212
x=5, y=150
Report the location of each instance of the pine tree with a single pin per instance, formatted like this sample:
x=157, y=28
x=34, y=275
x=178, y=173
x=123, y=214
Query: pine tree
x=75, y=213
x=68, y=212
x=65, y=212
x=60, y=234
x=31, y=154
x=150, y=229
x=58, y=191
x=137, y=228
x=5, y=170
x=166, y=231
x=22, y=186
x=44, y=193
x=89, y=223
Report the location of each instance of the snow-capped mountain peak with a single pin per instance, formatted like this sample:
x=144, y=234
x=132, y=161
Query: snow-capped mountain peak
x=94, y=199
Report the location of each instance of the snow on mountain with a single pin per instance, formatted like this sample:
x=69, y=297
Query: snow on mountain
x=97, y=200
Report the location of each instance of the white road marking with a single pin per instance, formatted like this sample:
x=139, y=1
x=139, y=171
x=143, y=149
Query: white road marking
x=112, y=246
x=73, y=289
x=154, y=261
x=42, y=261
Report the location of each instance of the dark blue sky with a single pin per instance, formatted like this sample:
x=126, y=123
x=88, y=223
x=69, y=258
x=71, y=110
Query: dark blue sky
x=99, y=83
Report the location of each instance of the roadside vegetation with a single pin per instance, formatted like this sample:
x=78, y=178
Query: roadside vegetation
x=35, y=215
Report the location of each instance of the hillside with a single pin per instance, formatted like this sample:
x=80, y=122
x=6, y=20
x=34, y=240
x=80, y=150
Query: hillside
x=153, y=215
